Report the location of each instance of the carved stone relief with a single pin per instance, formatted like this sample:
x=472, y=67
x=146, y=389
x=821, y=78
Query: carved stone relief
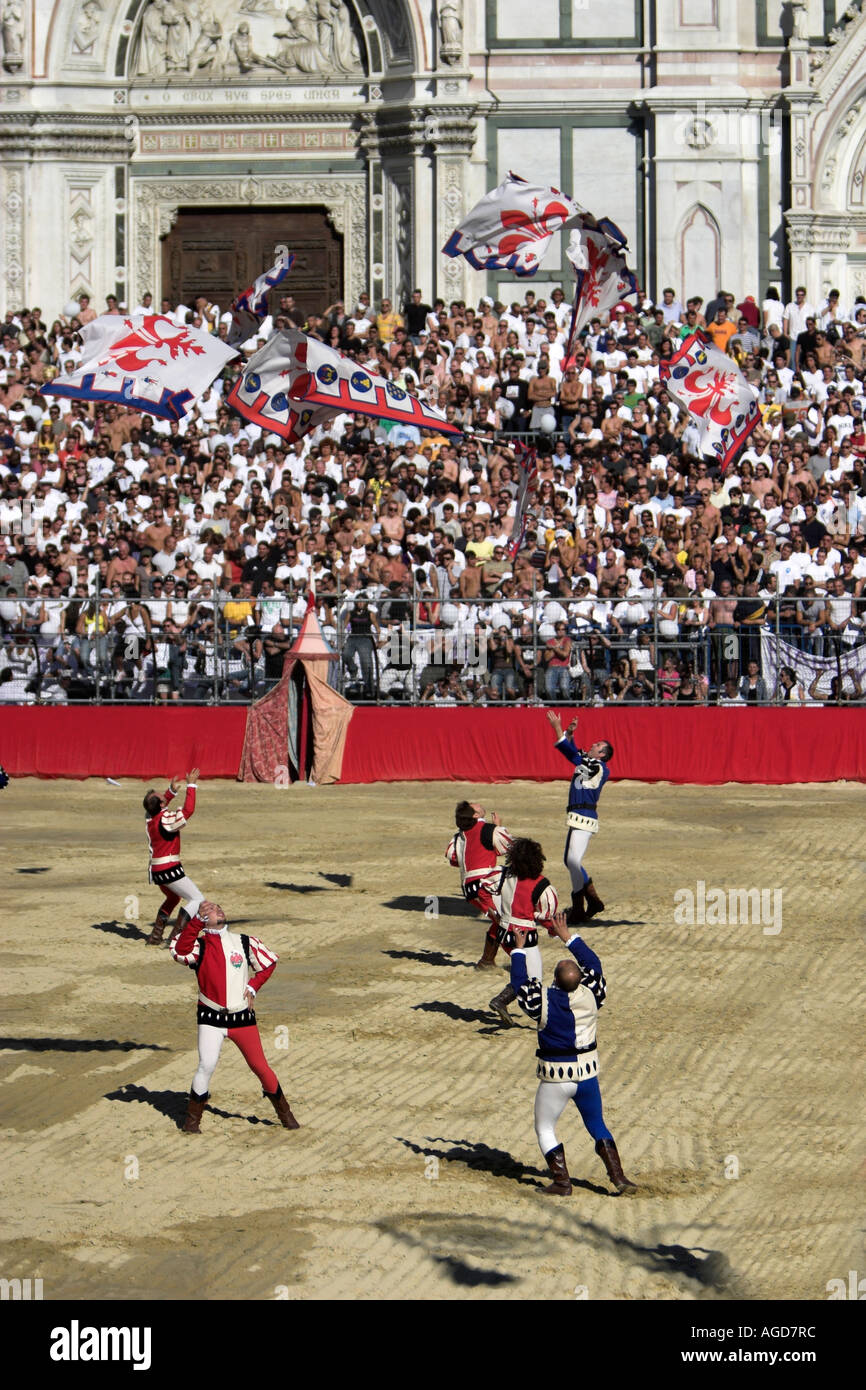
x=312, y=38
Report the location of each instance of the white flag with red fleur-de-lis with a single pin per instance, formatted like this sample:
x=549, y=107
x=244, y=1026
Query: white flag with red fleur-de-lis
x=716, y=394
x=512, y=227
x=597, y=251
x=145, y=362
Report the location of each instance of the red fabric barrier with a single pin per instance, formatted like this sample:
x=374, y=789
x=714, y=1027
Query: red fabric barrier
x=707, y=746
x=109, y=741
x=394, y=744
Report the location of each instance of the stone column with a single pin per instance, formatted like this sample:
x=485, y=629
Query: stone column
x=451, y=132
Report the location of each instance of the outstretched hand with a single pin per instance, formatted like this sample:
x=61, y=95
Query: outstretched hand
x=555, y=723
x=560, y=926
x=193, y=776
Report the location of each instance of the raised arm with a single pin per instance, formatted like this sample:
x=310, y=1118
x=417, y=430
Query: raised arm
x=530, y=995
x=189, y=799
x=590, y=965
x=563, y=740
x=186, y=947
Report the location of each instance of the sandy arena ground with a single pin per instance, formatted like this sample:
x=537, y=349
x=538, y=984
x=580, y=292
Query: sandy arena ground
x=416, y=1174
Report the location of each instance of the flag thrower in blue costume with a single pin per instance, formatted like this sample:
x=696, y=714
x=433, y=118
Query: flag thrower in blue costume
x=588, y=779
x=566, y=1015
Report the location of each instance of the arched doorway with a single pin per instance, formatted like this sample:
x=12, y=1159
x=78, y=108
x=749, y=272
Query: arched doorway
x=218, y=252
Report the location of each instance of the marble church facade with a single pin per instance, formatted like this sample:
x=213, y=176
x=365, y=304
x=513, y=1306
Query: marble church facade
x=727, y=138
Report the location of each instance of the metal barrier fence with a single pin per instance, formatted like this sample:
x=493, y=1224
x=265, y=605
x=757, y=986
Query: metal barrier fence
x=417, y=650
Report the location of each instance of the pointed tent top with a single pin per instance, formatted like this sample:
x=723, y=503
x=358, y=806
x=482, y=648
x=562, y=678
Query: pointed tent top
x=311, y=643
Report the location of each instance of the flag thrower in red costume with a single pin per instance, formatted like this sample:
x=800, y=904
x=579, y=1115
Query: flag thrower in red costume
x=163, y=825
x=231, y=968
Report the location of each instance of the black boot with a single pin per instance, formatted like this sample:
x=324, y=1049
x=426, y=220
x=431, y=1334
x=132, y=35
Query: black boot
x=194, y=1110
x=594, y=903
x=499, y=1004
x=488, y=957
x=561, y=1185
x=159, y=926
x=182, y=918
x=283, y=1109
x=607, y=1152
x=578, y=911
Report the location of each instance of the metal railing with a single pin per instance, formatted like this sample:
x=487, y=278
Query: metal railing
x=413, y=648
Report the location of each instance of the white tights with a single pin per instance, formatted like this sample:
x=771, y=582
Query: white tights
x=576, y=847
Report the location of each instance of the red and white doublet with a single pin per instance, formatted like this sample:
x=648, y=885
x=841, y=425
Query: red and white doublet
x=227, y=964
x=165, y=869
x=526, y=904
x=475, y=853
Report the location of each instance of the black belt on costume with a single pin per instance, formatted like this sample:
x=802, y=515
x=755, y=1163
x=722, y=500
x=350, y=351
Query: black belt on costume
x=222, y=1018
x=508, y=939
x=564, y=1056
x=163, y=876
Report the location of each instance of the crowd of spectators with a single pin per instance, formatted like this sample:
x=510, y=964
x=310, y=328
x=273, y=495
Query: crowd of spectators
x=146, y=560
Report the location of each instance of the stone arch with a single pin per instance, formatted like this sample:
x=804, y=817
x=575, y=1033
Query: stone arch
x=841, y=146
x=699, y=245
x=856, y=192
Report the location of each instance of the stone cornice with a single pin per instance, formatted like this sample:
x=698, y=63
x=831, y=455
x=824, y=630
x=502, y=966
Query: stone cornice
x=29, y=135
x=418, y=130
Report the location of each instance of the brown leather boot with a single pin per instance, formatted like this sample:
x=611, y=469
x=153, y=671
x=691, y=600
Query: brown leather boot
x=488, y=959
x=281, y=1105
x=594, y=903
x=607, y=1152
x=499, y=1004
x=157, y=930
x=578, y=911
x=194, y=1111
x=561, y=1185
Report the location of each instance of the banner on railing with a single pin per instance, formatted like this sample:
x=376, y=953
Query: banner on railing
x=813, y=676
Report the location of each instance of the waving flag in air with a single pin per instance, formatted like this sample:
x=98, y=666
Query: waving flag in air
x=261, y=393
x=252, y=305
x=716, y=394
x=598, y=251
x=146, y=362
x=313, y=375
x=527, y=472
x=512, y=227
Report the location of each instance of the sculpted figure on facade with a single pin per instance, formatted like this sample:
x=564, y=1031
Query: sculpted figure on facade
x=205, y=54
x=12, y=34
x=450, y=31
x=318, y=38
x=86, y=29
x=242, y=54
